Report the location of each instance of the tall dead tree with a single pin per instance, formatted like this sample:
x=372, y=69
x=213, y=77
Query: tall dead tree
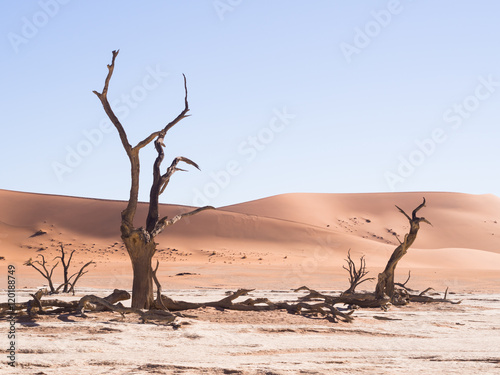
x=385, y=284
x=140, y=241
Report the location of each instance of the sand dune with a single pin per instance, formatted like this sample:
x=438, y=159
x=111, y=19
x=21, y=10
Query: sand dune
x=459, y=220
x=293, y=237
x=274, y=245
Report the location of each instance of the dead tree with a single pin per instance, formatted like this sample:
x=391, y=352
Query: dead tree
x=385, y=284
x=356, y=276
x=140, y=242
x=65, y=265
x=67, y=285
x=45, y=273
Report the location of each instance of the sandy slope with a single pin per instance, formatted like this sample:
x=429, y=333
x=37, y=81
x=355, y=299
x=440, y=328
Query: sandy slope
x=272, y=244
x=460, y=220
x=277, y=241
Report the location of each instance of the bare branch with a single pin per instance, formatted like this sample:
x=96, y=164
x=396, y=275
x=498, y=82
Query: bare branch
x=179, y=117
x=163, y=222
x=414, y=213
x=159, y=300
x=404, y=213
x=403, y=285
x=160, y=182
x=172, y=169
x=407, y=279
x=425, y=291
x=424, y=220
x=45, y=273
x=110, y=73
x=414, y=217
x=184, y=112
x=397, y=237
x=80, y=274
x=165, y=178
x=103, y=97
x=133, y=154
x=147, y=140
x=30, y=263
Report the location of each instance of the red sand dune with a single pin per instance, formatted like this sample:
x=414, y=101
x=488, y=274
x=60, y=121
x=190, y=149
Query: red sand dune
x=291, y=238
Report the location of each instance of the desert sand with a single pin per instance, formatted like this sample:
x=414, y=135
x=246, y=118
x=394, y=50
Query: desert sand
x=275, y=245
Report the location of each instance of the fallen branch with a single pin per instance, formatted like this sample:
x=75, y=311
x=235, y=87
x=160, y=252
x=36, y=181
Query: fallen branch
x=36, y=301
x=403, y=285
x=148, y=315
x=366, y=300
x=313, y=304
x=63, y=306
x=426, y=299
x=425, y=291
x=325, y=308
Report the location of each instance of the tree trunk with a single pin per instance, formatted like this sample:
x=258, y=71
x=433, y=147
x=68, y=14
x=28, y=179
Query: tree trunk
x=141, y=253
x=51, y=286
x=65, y=267
x=385, y=283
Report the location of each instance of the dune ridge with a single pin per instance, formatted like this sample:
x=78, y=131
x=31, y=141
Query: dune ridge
x=295, y=237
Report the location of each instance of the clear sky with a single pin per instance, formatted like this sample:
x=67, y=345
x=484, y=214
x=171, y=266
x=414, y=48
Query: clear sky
x=285, y=96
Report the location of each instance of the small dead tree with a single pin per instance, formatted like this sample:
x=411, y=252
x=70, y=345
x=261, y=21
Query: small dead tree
x=356, y=276
x=385, y=284
x=65, y=265
x=45, y=273
x=67, y=286
x=140, y=242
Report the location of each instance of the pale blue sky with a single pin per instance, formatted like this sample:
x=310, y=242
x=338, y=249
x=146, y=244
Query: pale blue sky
x=285, y=96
